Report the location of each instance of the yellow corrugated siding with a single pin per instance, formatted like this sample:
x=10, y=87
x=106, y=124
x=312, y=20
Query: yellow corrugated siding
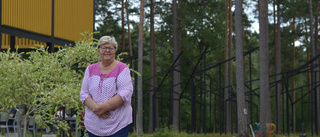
x=73, y=17
x=5, y=41
x=21, y=43
x=31, y=15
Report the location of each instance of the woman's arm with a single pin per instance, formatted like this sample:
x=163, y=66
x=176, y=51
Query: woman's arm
x=97, y=108
x=123, y=96
x=111, y=104
x=100, y=108
x=89, y=102
x=86, y=98
x=84, y=92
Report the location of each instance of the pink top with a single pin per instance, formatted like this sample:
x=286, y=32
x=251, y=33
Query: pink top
x=102, y=87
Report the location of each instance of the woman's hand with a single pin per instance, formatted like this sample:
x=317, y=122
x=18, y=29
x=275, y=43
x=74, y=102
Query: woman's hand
x=105, y=115
x=100, y=111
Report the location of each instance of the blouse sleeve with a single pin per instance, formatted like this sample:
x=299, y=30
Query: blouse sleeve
x=84, y=93
x=124, y=86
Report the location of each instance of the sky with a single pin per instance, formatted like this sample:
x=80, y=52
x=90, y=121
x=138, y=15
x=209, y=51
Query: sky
x=255, y=25
x=249, y=11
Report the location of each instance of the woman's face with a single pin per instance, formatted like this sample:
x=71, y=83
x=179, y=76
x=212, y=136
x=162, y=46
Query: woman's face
x=107, y=52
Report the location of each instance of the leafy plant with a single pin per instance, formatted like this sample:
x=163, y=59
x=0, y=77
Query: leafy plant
x=43, y=81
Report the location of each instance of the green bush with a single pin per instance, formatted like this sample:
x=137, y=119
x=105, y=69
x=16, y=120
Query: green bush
x=41, y=81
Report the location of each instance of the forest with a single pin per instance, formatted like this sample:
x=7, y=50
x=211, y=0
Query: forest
x=193, y=76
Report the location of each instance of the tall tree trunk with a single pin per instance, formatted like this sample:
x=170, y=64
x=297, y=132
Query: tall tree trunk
x=264, y=65
x=275, y=51
x=176, y=74
x=123, y=40
x=129, y=34
x=226, y=72
x=317, y=52
x=309, y=71
x=230, y=45
x=130, y=45
x=139, y=119
x=242, y=112
x=129, y=37
x=313, y=53
x=293, y=78
x=313, y=69
x=178, y=19
x=152, y=101
x=230, y=67
x=278, y=69
x=157, y=124
x=243, y=50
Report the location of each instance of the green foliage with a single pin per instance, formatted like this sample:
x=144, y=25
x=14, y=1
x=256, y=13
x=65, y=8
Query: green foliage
x=163, y=132
x=42, y=81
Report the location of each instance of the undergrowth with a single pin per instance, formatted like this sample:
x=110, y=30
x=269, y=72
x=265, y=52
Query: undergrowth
x=166, y=132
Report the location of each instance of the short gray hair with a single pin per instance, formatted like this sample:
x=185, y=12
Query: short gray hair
x=108, y=40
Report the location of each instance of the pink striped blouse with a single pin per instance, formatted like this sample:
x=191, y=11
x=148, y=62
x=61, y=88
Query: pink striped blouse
x=102, y=87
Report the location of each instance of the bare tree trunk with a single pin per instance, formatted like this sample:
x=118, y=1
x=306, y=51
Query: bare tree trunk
x=130, y=45
x=293, y=79
x=275, y=51
x=25, y=123
x=226, y=72
x=278, y=70
x=244, y=57
x=314, y=70
x=152, y=70
x=230, y=45
x=157, y=125
x=129, y=37
x=309, y=71
x=176, y=74
x=313, y=53
x=242, y=112
x=317, y=52
x=139, y=119
x=178, y=50
x=264, y=65
x=230, y=62
x=129, y=34
x=123, y=40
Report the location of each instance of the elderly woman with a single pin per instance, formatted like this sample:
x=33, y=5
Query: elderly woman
x=106, y=92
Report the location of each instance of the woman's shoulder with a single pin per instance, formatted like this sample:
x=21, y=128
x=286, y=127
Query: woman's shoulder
x=93, y=68
x=93, y=65
x=121, y=66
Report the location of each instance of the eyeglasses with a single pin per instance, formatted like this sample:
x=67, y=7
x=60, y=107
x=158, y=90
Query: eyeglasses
x=103, y=49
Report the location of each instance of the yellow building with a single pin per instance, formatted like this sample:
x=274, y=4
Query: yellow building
x=24, y=23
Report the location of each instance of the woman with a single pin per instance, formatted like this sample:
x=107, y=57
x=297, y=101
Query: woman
x=106, y=92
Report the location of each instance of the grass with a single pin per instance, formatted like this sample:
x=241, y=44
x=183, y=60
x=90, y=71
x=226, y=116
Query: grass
x=168, y=133
x=183, y=134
